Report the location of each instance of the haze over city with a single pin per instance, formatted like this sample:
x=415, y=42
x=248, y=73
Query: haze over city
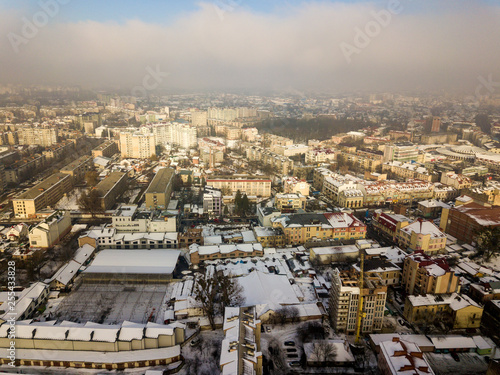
x=252, y=45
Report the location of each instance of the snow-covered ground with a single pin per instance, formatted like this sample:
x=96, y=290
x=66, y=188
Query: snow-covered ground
x=69, y=202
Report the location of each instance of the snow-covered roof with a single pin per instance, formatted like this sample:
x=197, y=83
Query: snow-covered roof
x=224, y=248
x=83, y=253
x=134, y=261
x=66, y=273
x=425, y=228
x=452, y=342
x=398, y=356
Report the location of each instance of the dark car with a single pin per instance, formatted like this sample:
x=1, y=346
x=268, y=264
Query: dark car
x=294, y=364
x=292, y=356
x=455, y=356
x=289, y=343
x=291, y=350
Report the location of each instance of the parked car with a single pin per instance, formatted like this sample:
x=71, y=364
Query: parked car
x=289, y=343
x=291, y=350
x=292, y=356
x=195, y=341
x=294, y=364
x=268, y=329
x=455, y=356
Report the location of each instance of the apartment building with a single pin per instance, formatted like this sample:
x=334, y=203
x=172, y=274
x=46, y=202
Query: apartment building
x=137, y=145
x=410, y=171
x=283, y=164
x=111, y=188
x=423, y=274
x=301, y=228
x=290, y=202
x=386, y=272
x=241, y=352
x=255, y=187
x=158, y=192
x=344, y=300
x=404, y=152
x=422, y=235
x=106, y=149
x=389, y=224
x=199, y=118
x=212, y=202
x=77, y=169
x=46, y=193
x=37, y=136
x=321, y=155
x=361, y=159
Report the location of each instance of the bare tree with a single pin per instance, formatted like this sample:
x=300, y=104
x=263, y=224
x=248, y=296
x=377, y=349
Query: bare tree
x=324, y=351
x=205, y=292
x=231, y=292
x=90, y=202
x=294, y=314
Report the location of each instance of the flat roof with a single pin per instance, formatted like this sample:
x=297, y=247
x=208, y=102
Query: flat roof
x=160, y=181
x=105, y=185
x=156, y=261
x=76, y=163
x=46, y=184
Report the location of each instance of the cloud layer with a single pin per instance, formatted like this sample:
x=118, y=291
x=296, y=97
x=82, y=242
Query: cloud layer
x=446, y=47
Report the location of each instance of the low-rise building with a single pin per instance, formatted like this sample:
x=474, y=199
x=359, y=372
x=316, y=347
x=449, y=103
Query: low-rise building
x=109, y=238
x=129, y=219
x=290, y=202
x=459, y=311
x=212, y=202
x=422, y=235
x=301, y=228
x=399, y=356
x=389, y=224
x=269, y=237
x=51, y=230
x=200, y=253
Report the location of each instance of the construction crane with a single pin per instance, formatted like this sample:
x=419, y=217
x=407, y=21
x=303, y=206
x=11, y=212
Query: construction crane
x=360, y=300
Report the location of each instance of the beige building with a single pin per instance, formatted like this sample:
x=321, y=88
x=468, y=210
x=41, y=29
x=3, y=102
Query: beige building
x=78, y=168
x=422, y=235
x=137, y=145
x=425, y=275
x=241, y=351
x=111, y=188
x=199, y=118
x=344, y=299
x=37, y=136
x=460, y=311
x=159, y=190
x=50, y=231
x=255, y=187
x=289, y=202
x=106, y=149
x=46, y=193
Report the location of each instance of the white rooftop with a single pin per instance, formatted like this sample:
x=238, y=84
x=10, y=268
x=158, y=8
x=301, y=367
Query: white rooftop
x=134, y=261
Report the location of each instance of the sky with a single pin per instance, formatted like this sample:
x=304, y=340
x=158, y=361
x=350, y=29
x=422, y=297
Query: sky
x=326, y=46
